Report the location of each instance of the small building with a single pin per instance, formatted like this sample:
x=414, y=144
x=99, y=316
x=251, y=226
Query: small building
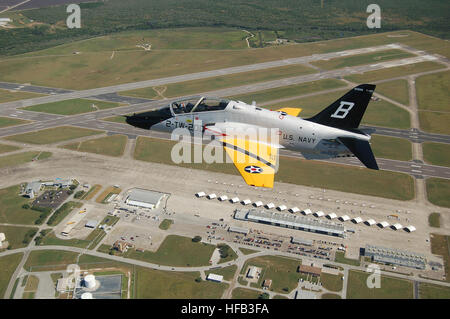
x=319, y=213
x=301, y=241
x=397, y=226
x=331, y=216
x=144, y=198
x=246, y=202
x=383, y=224
x=211, y=196
x=281, y=208
x=257, y=204
x=252, y=272
x=214, y=277
x=122, y=246
x=344, y=218
x=307, y=211
x=309, y=270
x=294, y=209
x=410, y=228
x=357, y=220
x=200, y=194
x=239, y=230
x=32, y=189
x=267, y=283
x=223, y=198
x=2, y=238
x=270, y=205
x=91, y=223
x=370, y=222
x=234, y=200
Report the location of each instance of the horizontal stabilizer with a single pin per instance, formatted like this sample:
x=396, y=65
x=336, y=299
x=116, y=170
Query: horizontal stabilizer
x=362, y=151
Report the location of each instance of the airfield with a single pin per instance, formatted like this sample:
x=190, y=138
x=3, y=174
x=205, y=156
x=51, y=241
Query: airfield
x=95, y=147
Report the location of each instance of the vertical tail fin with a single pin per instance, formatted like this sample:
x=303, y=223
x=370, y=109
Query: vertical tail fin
x=347, y=111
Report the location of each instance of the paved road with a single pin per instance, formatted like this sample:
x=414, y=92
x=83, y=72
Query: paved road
x=414, y=135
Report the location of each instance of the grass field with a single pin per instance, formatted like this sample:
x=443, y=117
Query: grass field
x=244, y=293
x=9, y=121
x=155, y=284
x=107, y=193
x=378, y=113
x=429, y=291
x=8, y=265
x=436, y=153
x=282, y=271
x=434, y=220
x=50, y=259
x=440, y=245
x=113, y=145
x=176, y=251
x=226, y=272
x=378, y=75
x=71, y=107
x=4, y=148
x=92, y=192
x=360, y=59
x=53, y=135
x=391, y=147
x=434, y=122
x=11, y=210
x=396, y=90
x=115, y=119
x=390, y=288
x=8, y=96
x=433, y=91
x=289, y=91
x=231, y=254
x=247, y=251
x=51, y=239
x=22, y=158
x=330, y=296
x=165, y=224
x=62, y=212
x=340, y=258
x=438, y=191
x=342, y=178
x=332, y=282
x=16, y=235
x=215, y=83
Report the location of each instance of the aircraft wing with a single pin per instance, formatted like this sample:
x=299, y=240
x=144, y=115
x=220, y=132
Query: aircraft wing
x=290, y=110
x=256, y=161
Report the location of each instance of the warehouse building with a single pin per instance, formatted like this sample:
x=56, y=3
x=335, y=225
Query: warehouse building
x=144, y=198
x=291, y=221
x=239, y=230
x=392, y=256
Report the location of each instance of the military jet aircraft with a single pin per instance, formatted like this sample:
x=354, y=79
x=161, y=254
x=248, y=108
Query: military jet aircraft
x=331, y=133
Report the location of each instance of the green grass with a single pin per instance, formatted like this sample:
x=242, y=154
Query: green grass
x=226, y=272
x=282, y=271
x=247, y=251
x=429, y=291
x=244, y=293
x=374, y=76
x=440, y=246
x=52, y=240
x=434, y=122
x=116, y=119
x=9, y=96
x=5, y=148
x=332, y=282
x=231, y=254
x=92, y=192
x=378, y=113
x=391, y=147
x=434, y=220
x=433, y=91
x=53, y=135
x=438, y=191
x=396, y=90
x=50, y=259
x=32, y=284
x=289, y=91
x=8, y=265
x=113, y=145
x=360, y=59
x=9, y=121
x=342, y=178
x=62, y=212
x=436, y=153
x=71, y=107
x=155, y=284
x=390, y=288
x=340, y=258
x=11, y=210
x=220, y=82
x=176, y=251
x=165, y=224
x=16, y=235
x=22, y=158
x=330, y=296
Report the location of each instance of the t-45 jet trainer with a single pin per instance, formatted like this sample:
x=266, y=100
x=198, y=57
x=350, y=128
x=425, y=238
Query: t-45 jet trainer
x=331, y=133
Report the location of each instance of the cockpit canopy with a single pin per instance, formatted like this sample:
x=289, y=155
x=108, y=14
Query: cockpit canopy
x=198, y=104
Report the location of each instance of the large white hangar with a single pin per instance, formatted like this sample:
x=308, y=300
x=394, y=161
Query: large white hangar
x=144, y=198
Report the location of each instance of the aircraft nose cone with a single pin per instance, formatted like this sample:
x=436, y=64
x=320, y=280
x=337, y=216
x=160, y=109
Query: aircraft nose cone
x=137, y=121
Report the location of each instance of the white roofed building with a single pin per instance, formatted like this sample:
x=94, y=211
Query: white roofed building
x=214, y=277
x=144, y=198
x=294, y=209
x=370, y=222
x=344, y=218
x=357, y=220
x=383, y=224
x=331, y=216
x=307, y=212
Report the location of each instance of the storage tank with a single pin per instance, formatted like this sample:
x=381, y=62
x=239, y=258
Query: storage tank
x=89, y=281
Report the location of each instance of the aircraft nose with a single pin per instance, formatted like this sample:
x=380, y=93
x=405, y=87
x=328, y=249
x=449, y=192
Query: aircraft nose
x=136, y=121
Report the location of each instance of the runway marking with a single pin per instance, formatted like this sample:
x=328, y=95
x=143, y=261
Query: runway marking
x=416, y=171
